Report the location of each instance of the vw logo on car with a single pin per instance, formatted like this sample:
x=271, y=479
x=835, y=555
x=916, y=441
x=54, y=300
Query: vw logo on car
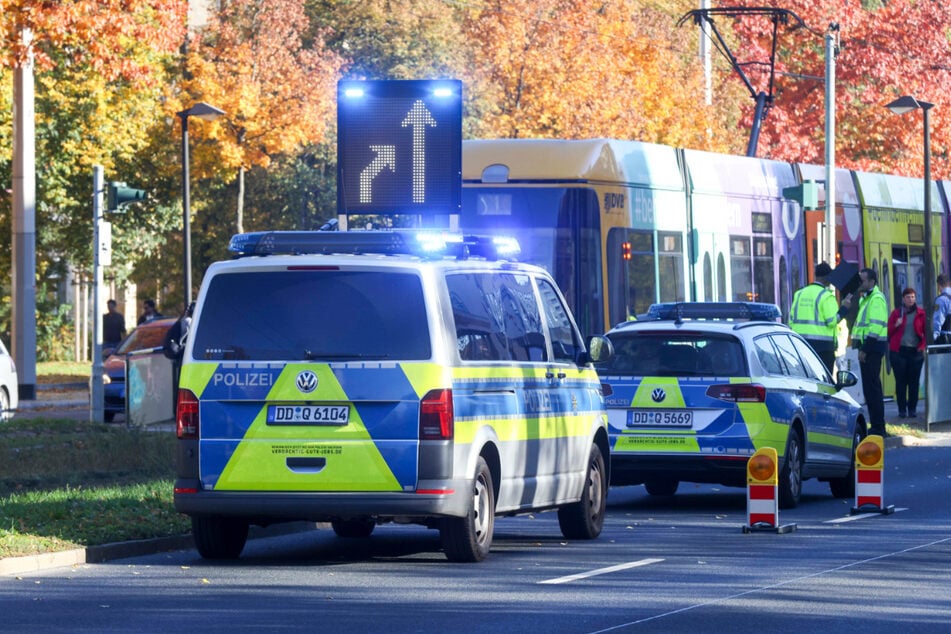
x=306, y=381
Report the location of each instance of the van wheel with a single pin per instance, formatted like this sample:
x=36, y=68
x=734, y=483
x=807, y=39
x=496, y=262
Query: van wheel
x=790, y=478
x=353, y=528
x=468, y=538
x=845, y=487
x=219, y=537
x=661, y=488
x=585, y=518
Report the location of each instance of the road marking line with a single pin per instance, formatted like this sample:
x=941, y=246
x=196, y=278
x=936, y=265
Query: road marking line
x=857, y=516
x=773, y=586
x=601, y=571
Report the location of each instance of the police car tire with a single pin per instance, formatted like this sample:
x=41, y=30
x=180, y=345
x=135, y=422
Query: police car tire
x=845, y=487
x=219, y=537
x=353, y=528
x=661, y=488
x=585, y=518
x=790, y=478
x=468, y=539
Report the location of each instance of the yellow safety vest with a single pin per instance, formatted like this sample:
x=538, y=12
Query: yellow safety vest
x=871, y=324
x=814, y=313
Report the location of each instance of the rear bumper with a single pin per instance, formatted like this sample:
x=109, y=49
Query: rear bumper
x=726, y=470
x=272, y=507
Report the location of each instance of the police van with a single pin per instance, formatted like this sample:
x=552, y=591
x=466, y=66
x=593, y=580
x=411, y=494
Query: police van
x=359, y=378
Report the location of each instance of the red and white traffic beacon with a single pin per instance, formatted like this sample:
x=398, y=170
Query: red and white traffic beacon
x=870, y=477
x=762, y=493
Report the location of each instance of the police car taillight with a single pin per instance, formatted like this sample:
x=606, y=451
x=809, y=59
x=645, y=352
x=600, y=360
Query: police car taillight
x=738, y=392
x=186, y=422
x=435, y=416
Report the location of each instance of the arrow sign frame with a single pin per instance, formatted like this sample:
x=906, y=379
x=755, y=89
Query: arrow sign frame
x=399, y=147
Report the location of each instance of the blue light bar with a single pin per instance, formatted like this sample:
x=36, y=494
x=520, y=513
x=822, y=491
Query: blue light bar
x=679, y=311
x=429, y=244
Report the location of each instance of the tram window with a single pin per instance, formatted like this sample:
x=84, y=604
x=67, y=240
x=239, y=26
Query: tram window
x=707, y=278
x=741, y=269
x=762, y=223
x=671, y=266
x=631, y=271
x=763, y=271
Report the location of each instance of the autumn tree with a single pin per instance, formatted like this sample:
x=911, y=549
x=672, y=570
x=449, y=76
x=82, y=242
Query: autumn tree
x=277, y=94
x=563, y=68
x=100, y=68
x=887, y=49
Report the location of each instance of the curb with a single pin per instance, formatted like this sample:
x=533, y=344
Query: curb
x=132, y=548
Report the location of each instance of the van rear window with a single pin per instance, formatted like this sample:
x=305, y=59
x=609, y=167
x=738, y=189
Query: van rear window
x=325, y=315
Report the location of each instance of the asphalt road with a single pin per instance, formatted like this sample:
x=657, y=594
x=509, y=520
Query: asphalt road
x=674, y=564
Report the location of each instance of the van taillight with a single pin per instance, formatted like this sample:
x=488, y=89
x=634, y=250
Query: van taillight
x=186, y=426
x=435, y=416
x=738, y=392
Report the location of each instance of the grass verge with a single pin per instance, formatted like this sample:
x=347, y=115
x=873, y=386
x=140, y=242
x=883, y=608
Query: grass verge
x=68, y=484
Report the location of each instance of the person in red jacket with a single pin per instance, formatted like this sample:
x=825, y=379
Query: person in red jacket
x=906, y=351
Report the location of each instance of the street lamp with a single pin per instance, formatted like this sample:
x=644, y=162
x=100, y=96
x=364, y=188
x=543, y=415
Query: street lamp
x=207, y=112
x=901, y=106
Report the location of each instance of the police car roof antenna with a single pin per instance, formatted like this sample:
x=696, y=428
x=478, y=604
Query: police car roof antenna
x=763, y=99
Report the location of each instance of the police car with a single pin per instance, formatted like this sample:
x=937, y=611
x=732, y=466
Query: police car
x=694, y=389
x=359, y=378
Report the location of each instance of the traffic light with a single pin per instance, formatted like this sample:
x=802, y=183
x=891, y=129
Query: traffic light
x=807, y=194
x=120, y=195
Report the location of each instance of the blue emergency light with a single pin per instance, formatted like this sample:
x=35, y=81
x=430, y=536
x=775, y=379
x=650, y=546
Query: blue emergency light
x=679, y=311
x=427, y=244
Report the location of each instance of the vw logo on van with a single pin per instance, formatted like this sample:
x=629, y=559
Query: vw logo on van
x=658, y=395
x=306, y=381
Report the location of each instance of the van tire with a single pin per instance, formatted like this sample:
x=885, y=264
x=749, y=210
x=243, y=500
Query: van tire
x=353, y=528
x=219, y=537
x=585, y=518
x=469, y=538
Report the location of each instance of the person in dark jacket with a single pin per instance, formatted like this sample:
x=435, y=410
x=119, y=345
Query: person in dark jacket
x=906, y=350
x=174, y=345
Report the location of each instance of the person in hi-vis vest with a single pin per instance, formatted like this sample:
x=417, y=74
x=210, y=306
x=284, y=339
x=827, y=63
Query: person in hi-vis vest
x=870, y=337
x=815, y=313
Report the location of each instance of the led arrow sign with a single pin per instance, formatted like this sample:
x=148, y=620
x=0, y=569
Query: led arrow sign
x=399, y=147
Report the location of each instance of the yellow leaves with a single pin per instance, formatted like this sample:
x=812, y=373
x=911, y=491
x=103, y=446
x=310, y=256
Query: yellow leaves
x=276, y=94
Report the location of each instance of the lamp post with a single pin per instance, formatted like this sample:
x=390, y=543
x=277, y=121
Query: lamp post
x=901, y=106
x=207, y=112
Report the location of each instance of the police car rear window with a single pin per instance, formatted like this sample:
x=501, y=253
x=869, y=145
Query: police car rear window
x=329, y=315
x=675, y=354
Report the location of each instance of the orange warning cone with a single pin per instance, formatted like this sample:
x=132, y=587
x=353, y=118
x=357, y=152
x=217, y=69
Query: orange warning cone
x=762, y=493
x=870, y=477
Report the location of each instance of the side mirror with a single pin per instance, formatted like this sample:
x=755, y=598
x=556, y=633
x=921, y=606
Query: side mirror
x=600, y=349
x=844, y=379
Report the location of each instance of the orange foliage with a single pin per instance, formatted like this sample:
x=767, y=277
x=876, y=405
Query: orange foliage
x=900, y=48
x=99, y=33
x=559, y=68
x=277, y=95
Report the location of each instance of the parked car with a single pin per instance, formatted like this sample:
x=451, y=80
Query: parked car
x=144, y=337
x=694, y=389
x=9, y=385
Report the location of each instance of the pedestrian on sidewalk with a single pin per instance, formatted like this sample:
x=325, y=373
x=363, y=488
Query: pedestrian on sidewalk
x=906, y=351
